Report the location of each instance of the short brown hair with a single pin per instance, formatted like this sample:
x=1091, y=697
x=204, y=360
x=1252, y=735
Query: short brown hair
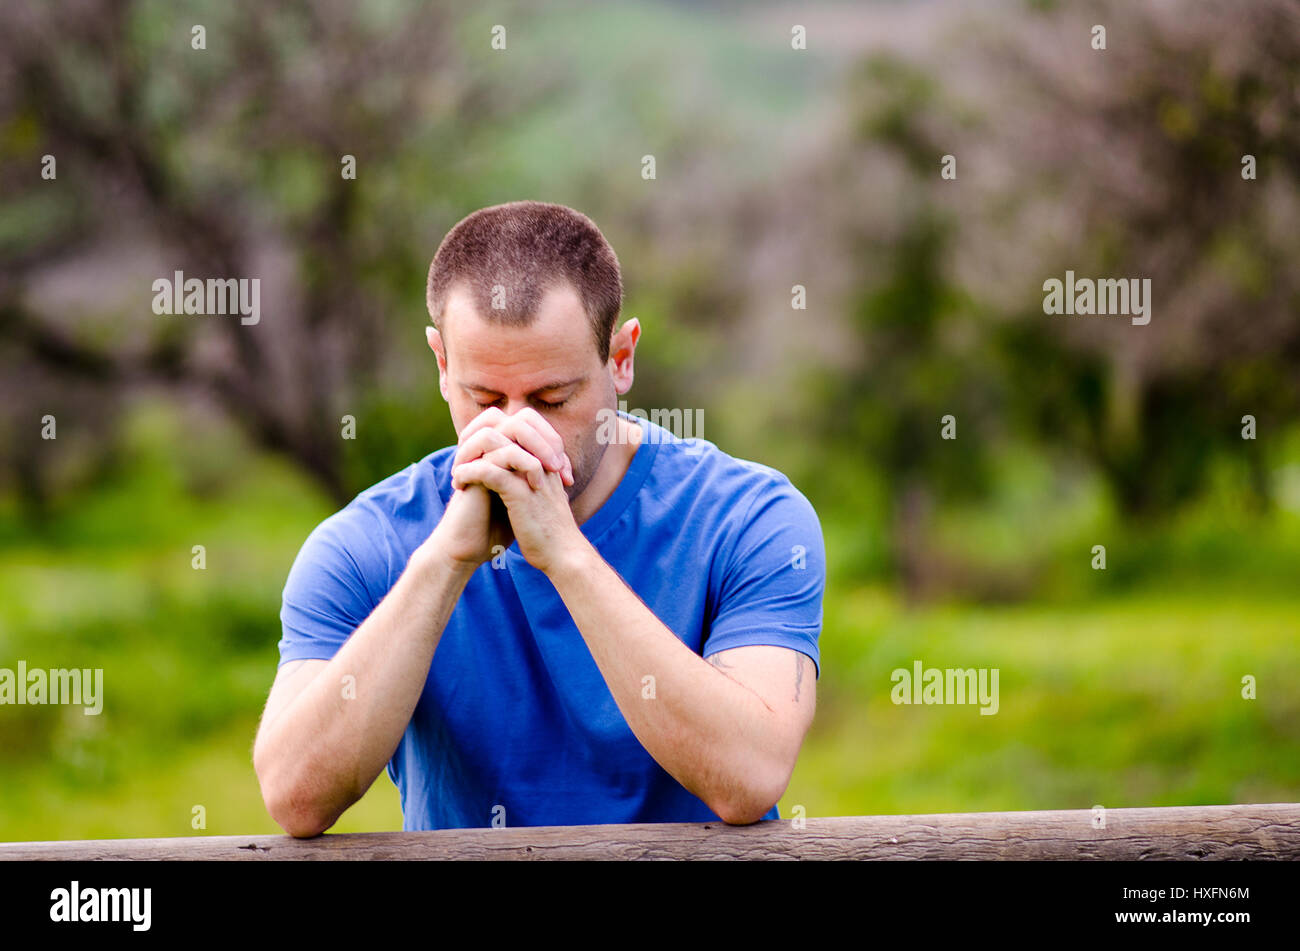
x=527, y=247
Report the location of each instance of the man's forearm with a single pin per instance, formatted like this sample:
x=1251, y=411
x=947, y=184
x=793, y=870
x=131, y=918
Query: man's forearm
x=717, y=737
x=322, y=752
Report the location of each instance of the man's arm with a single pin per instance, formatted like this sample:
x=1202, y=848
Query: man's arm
x=731, y=737
x=329, y=727
x=324, y=739
x=729, y=729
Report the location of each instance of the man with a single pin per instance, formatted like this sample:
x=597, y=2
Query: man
x=557, y=621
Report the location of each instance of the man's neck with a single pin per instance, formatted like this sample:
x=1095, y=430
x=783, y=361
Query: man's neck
x=613, y=466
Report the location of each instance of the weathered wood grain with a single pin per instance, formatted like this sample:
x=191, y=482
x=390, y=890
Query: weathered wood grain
x=1194, y=833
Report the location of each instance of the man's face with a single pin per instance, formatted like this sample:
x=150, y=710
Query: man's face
x=551, y=365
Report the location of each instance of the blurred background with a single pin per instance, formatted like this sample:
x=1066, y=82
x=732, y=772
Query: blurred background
x=775, y=167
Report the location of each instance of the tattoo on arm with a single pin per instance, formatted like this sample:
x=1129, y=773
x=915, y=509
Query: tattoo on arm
x=724, y=665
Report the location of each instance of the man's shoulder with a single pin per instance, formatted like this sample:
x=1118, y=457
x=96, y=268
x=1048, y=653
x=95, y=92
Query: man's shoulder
x=409, y=496
x=706, y=471
x=411, y=482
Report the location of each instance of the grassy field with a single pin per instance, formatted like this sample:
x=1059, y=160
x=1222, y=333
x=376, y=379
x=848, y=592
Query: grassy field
x=1124, y=698
x=1136, y=701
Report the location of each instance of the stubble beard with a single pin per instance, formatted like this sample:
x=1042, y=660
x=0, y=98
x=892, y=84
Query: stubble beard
x=585, y=467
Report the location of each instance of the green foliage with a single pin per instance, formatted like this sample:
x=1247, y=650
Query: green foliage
x=394, y=430
x=188, y=655
x=1127, y=702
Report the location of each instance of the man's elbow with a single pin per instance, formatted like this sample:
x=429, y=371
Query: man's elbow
x=296, y=813
x=297, y=818
x=744, y=814
x=306, y=828
x=752, y=803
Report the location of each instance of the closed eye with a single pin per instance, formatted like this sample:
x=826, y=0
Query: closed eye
x=555, y=405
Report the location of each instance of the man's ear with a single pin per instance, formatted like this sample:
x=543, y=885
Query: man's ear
x=435, y=344
x=622, y=346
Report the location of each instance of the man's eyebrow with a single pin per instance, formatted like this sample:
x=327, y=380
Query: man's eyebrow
x=559, y=385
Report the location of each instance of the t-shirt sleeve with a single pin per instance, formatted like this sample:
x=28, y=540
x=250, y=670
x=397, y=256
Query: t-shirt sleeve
x=329, y=589
x=771, y=584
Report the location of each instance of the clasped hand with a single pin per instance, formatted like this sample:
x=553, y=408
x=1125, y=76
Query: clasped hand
x=519, y=459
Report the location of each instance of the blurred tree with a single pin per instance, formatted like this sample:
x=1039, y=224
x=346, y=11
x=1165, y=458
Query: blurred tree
x=917, y=399
x=222, y=162
x=227, y=162
x=1125, y=163
x=1131, y=163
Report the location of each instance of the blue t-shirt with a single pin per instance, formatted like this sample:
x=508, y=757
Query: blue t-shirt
x=515, y=714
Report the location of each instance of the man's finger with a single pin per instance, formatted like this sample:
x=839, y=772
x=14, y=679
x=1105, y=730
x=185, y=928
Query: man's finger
x=540, y=423
x=535, y=434
x=514, y=457
x=489, y=417
x=529, y=429
x=476, y=445
x=488, y=474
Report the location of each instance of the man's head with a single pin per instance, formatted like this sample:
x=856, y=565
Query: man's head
x=524, y=298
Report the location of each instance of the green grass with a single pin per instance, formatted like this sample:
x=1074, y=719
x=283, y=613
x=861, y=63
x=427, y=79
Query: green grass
x=188, y=655
x=1133, y=701
x=156, y=796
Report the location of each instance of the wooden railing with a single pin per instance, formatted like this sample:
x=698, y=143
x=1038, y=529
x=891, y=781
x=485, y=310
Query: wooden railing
x=1270, y=831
